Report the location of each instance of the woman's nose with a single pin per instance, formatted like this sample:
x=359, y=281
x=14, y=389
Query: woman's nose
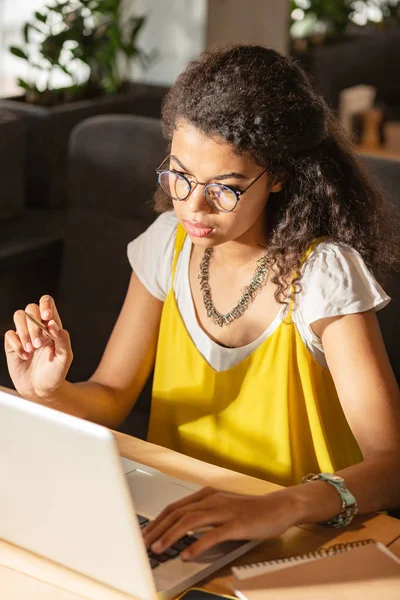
x=197, y=201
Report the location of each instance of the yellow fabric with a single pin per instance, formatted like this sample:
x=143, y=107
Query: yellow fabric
x=275, y=415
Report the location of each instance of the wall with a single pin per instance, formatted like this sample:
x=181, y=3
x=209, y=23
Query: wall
x=181, y=29
x=249, y=21
x=176, y=29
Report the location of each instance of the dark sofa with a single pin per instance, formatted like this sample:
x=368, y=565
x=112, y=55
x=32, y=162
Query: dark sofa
x=112, y=161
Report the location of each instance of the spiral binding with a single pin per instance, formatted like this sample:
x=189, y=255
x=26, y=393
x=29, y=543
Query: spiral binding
x=321, y=553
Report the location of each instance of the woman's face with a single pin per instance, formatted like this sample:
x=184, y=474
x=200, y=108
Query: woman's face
x=210, y=160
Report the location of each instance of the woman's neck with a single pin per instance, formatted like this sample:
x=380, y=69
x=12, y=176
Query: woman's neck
x=243, y=251
x=236, y=255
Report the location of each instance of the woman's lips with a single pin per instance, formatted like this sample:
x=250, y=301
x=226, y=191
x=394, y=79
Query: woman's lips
x=197, y=229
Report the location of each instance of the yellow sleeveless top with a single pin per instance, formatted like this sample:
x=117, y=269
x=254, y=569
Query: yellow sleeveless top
x=275, y=415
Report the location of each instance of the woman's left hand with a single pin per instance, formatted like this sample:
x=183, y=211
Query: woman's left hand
x=232, y=517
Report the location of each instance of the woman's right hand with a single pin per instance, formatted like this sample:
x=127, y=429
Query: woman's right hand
x=38, y=365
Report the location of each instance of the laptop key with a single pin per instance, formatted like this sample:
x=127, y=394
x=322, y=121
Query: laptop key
x=171, y=552
x=161, y=558
x=189, y=539
x=179, y=546
x=184, y=542
x=142, y=520
x=153, y=563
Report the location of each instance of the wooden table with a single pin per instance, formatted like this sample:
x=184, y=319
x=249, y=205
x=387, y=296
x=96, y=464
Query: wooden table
x=25, y=575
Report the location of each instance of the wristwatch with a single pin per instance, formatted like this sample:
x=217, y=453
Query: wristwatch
x=349, y=504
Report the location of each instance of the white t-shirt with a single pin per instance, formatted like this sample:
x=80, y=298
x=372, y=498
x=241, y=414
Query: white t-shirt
x=335, y=281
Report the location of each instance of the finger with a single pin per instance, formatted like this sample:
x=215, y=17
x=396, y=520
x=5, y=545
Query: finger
x=154, y=533
x=187, y=500
x=13, y=345
x=34, y=330
x=21, y=326
x=189, y=522
x=60, y=336
x=220, y=534
x=48, y=310
x=207, y=498
x=170, y=515
x=191, y=499
x=62, y=342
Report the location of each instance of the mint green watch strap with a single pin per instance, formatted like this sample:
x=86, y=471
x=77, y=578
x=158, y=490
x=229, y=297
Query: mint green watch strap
x=338, y=483
x=349, y=503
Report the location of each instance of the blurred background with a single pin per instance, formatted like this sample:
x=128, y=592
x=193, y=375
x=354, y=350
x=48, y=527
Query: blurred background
x=81, y=87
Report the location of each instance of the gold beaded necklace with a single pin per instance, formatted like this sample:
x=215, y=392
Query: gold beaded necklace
x=248, y=295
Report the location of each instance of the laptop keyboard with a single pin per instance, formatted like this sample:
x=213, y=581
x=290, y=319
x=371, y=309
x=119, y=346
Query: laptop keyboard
x=172, y=552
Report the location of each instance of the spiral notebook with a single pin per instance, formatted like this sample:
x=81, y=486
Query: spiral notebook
x=364, y=569
x=246, y=571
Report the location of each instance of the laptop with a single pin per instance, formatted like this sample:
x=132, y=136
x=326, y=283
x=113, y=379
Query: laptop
x=67, y=495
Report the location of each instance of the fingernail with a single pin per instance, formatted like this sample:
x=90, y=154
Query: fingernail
x=185, y=555
x=29, y=347
x=25, y=356
x=46, y=314
x=37, y=342
x=54, y=325
x=157, y=547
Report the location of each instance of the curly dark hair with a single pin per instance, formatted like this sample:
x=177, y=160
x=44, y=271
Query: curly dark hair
x=264, y=105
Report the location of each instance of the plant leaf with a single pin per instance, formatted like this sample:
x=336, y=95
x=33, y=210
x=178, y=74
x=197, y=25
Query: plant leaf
x=41, y=17
x=59, y=8
x=26, y=32
x=137, y=24
x=65, y=70
x=23, y=84
x=18, y=52
x=27, y=28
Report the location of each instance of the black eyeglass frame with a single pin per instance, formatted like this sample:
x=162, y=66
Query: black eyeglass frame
x=238, y=193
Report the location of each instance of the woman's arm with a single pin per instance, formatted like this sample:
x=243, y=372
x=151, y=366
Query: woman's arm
x=370, y=399
x=112, y=390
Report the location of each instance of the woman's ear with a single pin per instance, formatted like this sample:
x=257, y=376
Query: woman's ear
x=279, y=183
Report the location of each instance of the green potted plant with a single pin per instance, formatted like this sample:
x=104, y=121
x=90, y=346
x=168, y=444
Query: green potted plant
x=93, y=46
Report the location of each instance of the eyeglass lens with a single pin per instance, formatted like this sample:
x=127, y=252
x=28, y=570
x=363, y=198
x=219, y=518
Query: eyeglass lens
x=177, y=187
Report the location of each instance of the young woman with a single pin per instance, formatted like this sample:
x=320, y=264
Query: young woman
x=254, y=294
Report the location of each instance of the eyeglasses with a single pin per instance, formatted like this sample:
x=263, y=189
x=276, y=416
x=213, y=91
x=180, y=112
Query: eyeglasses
x=179, y=187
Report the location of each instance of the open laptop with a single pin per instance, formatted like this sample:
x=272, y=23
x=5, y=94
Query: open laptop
x=66, y=494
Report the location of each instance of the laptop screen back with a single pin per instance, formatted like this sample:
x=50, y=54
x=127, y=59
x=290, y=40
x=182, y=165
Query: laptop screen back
x=63, y=496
